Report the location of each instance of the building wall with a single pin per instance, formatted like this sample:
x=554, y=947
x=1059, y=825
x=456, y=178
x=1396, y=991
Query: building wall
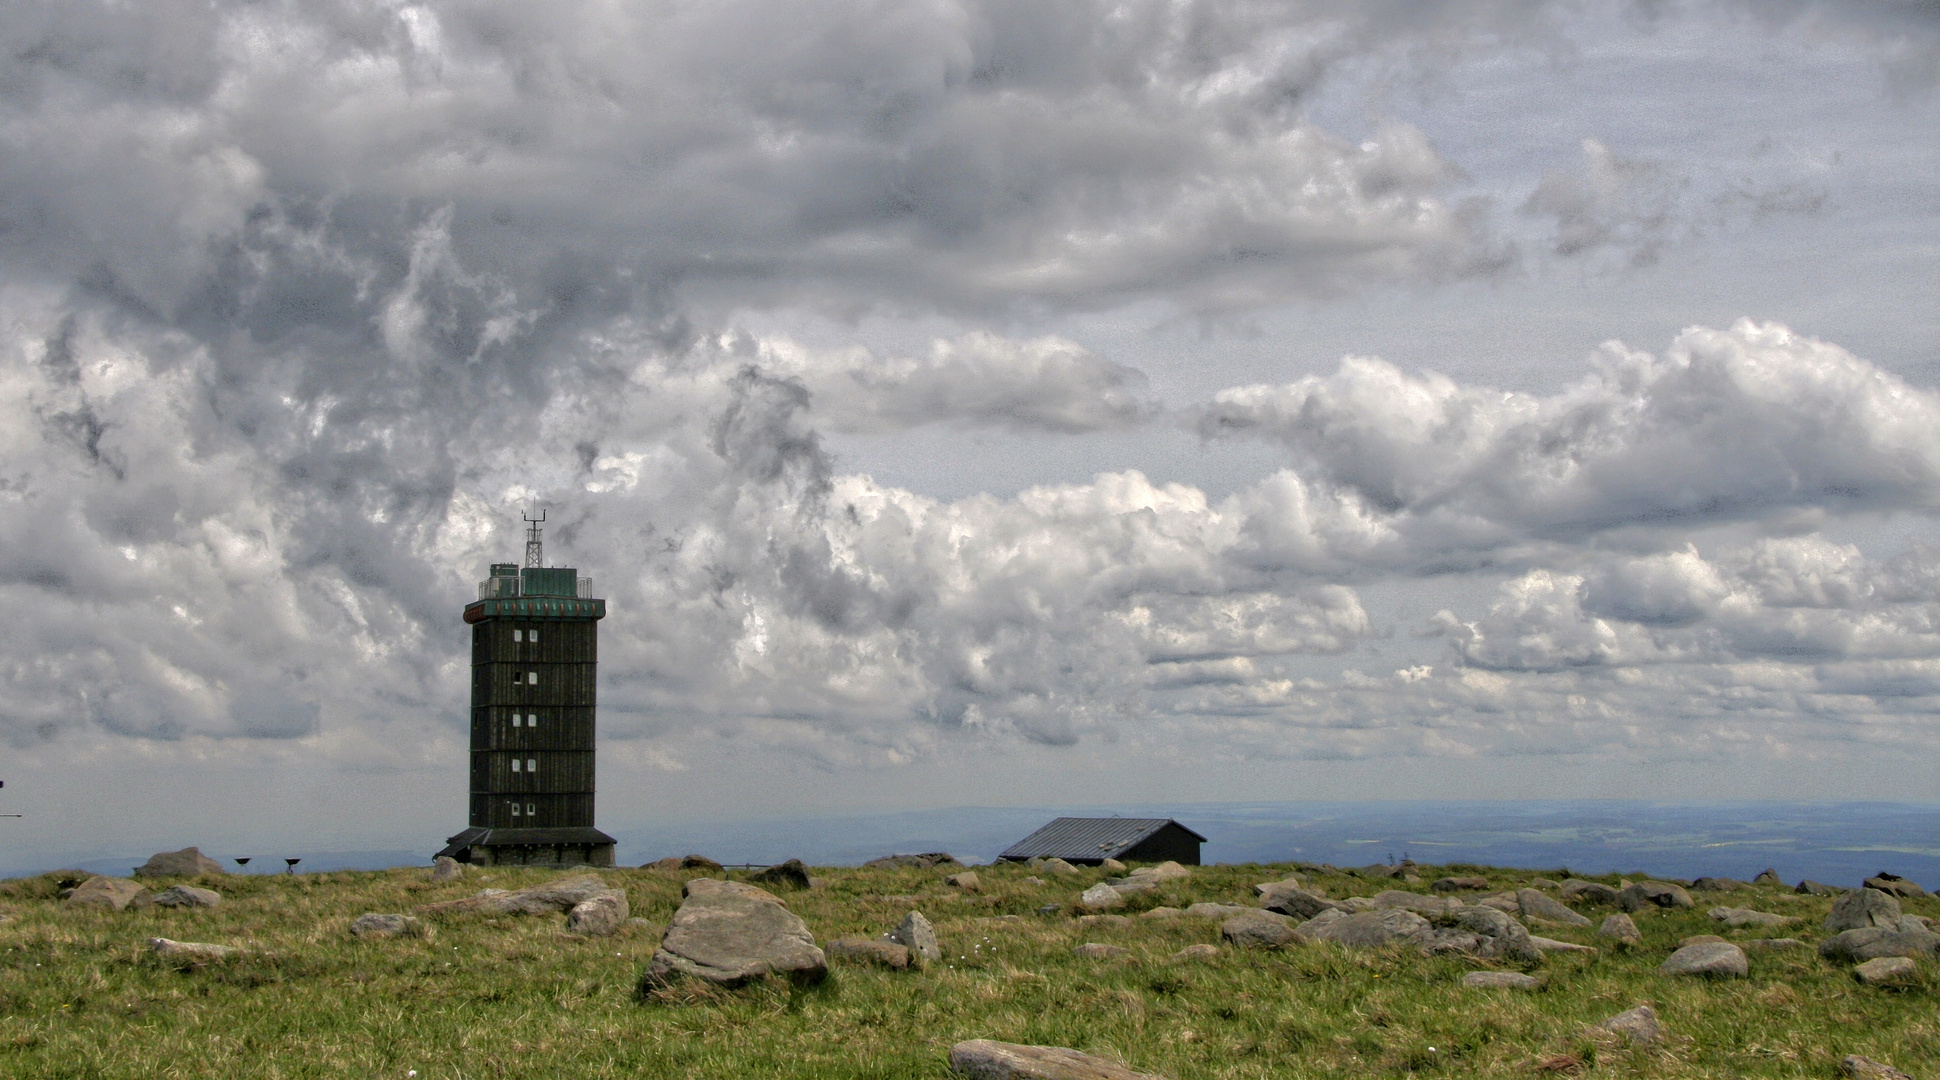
x=1170, y=843
x=553, y=783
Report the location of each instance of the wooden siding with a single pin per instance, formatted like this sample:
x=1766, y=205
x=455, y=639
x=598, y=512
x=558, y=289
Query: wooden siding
x=494, y=811
x=565, y=658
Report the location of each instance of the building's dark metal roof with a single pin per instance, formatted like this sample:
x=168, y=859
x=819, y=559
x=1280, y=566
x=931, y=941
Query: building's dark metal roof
x=1089, y=838
x=482, y=837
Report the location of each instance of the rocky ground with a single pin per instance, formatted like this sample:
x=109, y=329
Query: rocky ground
x=917, y=966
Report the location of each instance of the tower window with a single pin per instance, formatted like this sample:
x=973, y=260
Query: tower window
x=531, y=765
x=532, y=636
x=515, y=719
x=532, y=678
x=530, y=810
x=531, y=719
x=515, y=809
x=518, y=635
x=515, y=764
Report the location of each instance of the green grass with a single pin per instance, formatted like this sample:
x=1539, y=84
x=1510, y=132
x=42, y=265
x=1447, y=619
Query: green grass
x=516, y=996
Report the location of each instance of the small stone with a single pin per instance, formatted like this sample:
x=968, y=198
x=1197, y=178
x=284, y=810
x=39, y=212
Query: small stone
x=1908, y=938
x=190, y=950
x=1544, y=883
x=1714, y=959
x=1767, y=876
x=919, y=936
x=1109, y=922
x=1112, y=866
x=1501, y=980
x=887, y=954
x=1416, y=902
x=1259, y=930
x=671, y=862
x=1093, y=950
x=1622, y=929
x=1163, y=913
x=378, y=925
x=1292, y=881
x=1503, y=902
x=1100, y=897
x=446, y=868
x=1457, y=884
x=1887, y=971
x=179, y=896
x=984, y=1059
x=1638, y=1025
x=1295, y=901
x=788, y=875
x=1057, y=866
x=1717, y=884
x=1661, y=894
x=1864, y=1068
x=701, y=863
x=1699, y=939
x=925, y=861
x=967, y=881
x=1817, y=888
x=1197, y=952
x=1773, y=944
x=1049, y=909
x=1034, y=881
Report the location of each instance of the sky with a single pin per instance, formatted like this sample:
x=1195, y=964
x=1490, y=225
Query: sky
x=968, y=403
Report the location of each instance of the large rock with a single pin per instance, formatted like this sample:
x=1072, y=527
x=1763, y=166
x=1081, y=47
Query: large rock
x=1767, y=876
x=1661, y=894
x=1100, y=897
x=1259, y=930
x=1056, y=866
x=1894, y=885
x=1817, y=888
x=1292, y=881
x=1862, y=908
x=188, y=862
x=1716, y=959
x=1500, y=935
x=701, y=863
x=1737, y=916
x=561, y=895
x=1370, y=929
x=925, y=861
x=887, y=954
x=446, y=868
x=106, y=892
x=1538, y=905
x=1622, y=929
x=1457, y=884
x=1887, y=971
x=1588, y=892
x=178, y=896
x=1908, y=938
x=916, y=933
x=728, y=933
x=1501, y=980
x=1639, y=1025
x=983, y=1059
x=1295, y=901
x=966, y=881
x=788, y=875
x=1204, y=910
x=1718, y=884
x=379, y=925
x=192, y=951
x=1197, y=952
x=599, y=916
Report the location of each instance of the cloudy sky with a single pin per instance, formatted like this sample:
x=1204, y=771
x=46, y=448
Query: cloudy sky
x=968, y=401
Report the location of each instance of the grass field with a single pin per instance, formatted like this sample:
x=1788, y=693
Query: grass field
x=80, y=995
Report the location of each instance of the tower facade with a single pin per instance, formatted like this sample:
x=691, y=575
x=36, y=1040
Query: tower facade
x=535, y=654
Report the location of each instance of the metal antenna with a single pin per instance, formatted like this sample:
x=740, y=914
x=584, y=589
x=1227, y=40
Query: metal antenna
x=534, y=550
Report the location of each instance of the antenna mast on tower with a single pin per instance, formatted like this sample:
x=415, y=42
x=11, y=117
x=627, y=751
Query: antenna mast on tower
x=534, y=550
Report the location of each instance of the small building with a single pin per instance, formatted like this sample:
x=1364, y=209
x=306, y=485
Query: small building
x=535, y=655
x=1089, y=841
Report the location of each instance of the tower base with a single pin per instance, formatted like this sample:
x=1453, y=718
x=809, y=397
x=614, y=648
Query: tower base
x=561, y=847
